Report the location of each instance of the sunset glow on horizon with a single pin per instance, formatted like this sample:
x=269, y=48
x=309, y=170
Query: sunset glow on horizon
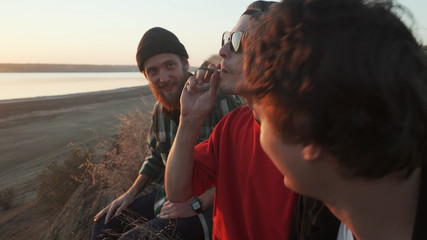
x=108, y=31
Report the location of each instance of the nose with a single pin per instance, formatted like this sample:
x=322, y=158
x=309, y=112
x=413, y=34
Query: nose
x=224, y=51
x=163, y=75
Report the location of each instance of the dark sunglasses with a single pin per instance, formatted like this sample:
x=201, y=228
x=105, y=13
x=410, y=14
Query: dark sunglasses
x=235, y=38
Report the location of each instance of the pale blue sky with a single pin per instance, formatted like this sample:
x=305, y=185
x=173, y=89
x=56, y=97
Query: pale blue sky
x=108, y=31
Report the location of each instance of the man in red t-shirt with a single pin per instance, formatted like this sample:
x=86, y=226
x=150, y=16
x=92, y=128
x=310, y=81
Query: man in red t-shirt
x=251, y=201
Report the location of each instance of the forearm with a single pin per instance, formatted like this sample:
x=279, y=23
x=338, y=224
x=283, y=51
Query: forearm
x=179, y=167
x=207, y=198
x=141, y=182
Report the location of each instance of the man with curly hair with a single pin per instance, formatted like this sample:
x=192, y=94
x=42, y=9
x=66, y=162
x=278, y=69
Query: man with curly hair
x=340, y=88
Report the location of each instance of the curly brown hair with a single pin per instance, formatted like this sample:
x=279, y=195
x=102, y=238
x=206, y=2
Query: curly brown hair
x=347, y=75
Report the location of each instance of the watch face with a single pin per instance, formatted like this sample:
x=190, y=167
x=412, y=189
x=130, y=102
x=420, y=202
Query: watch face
x=196, y=205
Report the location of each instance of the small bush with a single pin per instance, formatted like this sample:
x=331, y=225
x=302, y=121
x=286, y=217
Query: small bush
x=127, y=154
x=58, y=182
x=7, y=197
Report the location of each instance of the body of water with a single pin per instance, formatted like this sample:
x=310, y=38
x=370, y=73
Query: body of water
x=29, y=85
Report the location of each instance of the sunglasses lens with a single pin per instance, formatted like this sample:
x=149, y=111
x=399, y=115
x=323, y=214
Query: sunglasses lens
x=235, y=38
x=235, y=41
x=225, y=38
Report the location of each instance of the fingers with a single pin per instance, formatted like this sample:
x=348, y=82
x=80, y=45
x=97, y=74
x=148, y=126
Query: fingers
x=111, y=212
x=168, y=210
x=120, y=210
x=165, y=207
x=190, y=85
x=176, y=210
x=100, y=214
x=199, y=82
x=212, y=66
x=214, y=84
x=203, y=74
x=164, y=216
x=199, y=75
x=166, y=204
x=164, y=211
x=209, y=71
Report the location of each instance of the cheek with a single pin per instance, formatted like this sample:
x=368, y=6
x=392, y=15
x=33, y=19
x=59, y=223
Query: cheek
x=270, y=144
x=239, y=65
x=264, y=139
x=177, y=77
x=235, y=64
x=175, y=74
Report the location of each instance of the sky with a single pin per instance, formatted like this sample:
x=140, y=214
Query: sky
x=108, y=31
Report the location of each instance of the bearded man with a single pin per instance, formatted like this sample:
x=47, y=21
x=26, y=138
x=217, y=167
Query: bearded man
x=164, y=61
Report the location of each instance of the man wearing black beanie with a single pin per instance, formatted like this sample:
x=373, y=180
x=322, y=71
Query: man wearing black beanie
x=159, y=41
x=163, y=60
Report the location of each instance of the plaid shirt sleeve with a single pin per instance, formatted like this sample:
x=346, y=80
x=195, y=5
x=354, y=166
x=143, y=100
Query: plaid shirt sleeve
x=153, y=165
x=224, y=104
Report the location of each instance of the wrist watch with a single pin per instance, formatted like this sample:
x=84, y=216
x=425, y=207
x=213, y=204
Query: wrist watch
x=196, y=205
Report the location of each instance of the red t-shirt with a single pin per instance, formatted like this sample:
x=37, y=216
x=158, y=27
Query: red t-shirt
x=251, y=201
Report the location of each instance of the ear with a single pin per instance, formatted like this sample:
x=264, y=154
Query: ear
x=311, y=152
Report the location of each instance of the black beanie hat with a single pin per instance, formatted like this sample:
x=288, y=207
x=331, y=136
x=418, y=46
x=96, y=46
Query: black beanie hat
x=158, y=40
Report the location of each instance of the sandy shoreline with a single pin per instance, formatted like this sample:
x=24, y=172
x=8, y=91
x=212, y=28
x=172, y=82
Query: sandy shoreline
x=29, y=104
x=38, y=131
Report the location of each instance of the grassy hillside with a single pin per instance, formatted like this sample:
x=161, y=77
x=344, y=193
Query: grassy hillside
x=70, y=194
x=104, y=181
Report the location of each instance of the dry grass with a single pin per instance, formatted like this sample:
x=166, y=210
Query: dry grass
x=58, y=182
x=126, y=155
x=72, y=193
x=106, y=179
x=100, y=175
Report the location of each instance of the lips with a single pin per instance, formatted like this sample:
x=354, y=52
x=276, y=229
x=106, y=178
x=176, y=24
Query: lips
x=167, y=88
x=223, y=70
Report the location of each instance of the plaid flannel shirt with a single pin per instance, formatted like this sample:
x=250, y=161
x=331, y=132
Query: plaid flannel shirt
x=160, y=138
